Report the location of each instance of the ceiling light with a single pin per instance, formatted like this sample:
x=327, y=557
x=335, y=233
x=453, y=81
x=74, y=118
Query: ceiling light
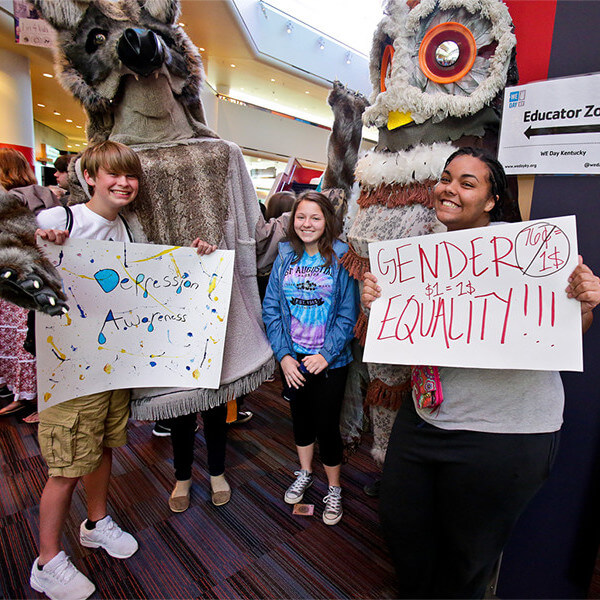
x=77, y=145
x=69, y=120
x=85, y=143
x=201, y=49
x=181, y=24
x=57, y=113
x=307, y=92
x=272, y=80
x=48, y=75
x=232, y=66
x=79, y=126
x=42, y=105
x=69, y=146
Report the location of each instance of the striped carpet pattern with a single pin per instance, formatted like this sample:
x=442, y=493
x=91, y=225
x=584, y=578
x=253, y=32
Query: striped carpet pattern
x=251, y=548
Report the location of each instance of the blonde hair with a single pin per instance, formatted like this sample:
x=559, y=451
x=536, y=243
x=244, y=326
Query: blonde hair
x=111, y=156
x=15, y=171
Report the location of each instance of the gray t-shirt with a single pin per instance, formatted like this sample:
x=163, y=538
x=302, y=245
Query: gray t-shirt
x=498, y=401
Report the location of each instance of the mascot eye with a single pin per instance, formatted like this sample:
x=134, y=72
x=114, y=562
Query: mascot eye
x=451, y=52
x=96, y=39
x=386, y=66
x=447, y=52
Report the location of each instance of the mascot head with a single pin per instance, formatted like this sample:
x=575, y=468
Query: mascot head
x=122, y=58
x=441, y=63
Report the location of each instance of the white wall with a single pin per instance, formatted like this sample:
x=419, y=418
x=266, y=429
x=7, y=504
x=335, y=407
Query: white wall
x=16, y=111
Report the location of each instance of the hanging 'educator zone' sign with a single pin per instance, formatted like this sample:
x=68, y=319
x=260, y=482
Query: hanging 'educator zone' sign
x=489, y=297
x=552, y=127
x=140, y=315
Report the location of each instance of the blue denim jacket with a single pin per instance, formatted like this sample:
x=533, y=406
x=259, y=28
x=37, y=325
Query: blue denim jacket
x=343, y=312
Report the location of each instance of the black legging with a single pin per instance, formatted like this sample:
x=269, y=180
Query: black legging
x=183, y=431
x=316, y=413
x=450, y=498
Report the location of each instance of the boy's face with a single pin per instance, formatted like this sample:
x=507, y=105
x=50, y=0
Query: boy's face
x=62, y=179
x=113, y=190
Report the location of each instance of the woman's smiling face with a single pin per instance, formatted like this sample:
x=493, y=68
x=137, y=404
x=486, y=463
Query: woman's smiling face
x=463, y=195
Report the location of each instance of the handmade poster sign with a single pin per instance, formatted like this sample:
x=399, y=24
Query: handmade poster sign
x=490, y=297
x=141, y=315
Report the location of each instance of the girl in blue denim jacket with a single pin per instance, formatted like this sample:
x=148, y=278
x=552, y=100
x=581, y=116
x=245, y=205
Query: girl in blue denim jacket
x=310, y=310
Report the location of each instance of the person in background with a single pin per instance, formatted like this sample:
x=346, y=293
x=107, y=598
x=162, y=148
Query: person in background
x=473, y=447
x=17, y=366
x=61, y=189
x=309, y=310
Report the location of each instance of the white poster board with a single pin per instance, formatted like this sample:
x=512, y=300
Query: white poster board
x=140, y=315
x=552, y=127
x=489, y=297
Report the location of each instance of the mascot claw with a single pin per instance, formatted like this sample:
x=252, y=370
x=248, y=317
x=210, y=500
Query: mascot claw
x=31, y=292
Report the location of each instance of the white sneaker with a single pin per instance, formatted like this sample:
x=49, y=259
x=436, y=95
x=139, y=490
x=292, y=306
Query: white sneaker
x=108, y=535
x=60, y=580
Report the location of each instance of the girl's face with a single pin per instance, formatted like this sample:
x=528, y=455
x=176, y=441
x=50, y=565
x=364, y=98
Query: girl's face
x=463, y=195
x=309, y=224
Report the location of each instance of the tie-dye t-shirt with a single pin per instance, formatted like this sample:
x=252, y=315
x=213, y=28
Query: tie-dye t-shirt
x=308, y=287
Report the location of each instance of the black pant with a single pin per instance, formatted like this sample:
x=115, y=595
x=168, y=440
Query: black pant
x=316, y=408
x=183, y=433
x=449, y=500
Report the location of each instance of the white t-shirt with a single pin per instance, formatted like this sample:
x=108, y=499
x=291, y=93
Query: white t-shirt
x=87, y=224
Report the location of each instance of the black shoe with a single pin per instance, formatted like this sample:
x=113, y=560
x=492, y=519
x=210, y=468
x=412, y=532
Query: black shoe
x=160, y=430
x=372, y=489
x=5, y=393
x=243, y=416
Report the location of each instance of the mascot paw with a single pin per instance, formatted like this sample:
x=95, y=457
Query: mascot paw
x=31, y=292
x=340, y=94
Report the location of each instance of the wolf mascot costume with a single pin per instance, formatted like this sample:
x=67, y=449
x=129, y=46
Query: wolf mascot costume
x=438, y=70
x=138, y=76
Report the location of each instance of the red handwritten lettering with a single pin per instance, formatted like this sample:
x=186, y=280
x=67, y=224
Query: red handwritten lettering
x=451, y=265
x=400, y=263
x=498, y=260
x=423, y=257
x=474, y=257
x=385, y=319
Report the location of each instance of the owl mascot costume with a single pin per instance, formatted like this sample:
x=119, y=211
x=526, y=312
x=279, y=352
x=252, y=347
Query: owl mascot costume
x=438, y=70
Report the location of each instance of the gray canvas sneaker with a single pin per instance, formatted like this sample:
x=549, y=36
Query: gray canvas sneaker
x=333, y=506
x=295, y=492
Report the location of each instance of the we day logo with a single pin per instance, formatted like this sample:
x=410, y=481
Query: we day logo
x=516, y=98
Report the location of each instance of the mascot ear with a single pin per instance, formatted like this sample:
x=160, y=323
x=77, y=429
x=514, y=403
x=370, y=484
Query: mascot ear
x=61, y=14
x=165, y=11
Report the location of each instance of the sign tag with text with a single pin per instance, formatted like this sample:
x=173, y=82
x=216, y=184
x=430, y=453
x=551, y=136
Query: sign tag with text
x=490, y=297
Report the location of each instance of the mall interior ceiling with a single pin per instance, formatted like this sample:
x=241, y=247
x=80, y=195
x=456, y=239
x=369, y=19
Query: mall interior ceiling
x=232, y=67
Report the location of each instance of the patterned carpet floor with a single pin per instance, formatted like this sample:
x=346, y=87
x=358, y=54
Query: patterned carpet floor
x=251, y=548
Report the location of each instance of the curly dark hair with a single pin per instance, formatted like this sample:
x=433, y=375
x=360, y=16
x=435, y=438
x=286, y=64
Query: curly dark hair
x=329, y=235
x=496, y=176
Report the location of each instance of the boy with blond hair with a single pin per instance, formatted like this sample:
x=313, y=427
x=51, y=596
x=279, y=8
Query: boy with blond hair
x=77, y=436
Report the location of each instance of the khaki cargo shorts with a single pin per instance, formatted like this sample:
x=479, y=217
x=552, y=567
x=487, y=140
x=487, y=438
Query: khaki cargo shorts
x=72, y=434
